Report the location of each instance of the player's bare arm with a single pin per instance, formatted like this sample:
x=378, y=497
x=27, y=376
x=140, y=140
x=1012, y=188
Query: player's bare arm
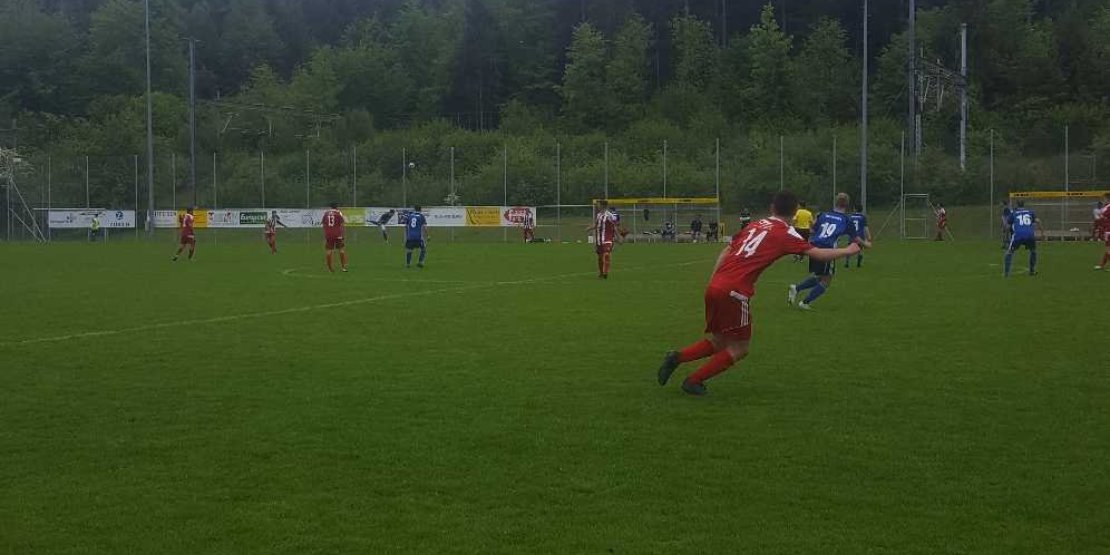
x=829, y=255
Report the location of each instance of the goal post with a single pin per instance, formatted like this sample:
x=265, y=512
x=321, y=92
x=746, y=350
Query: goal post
x=644, y=218
x=1065, y=216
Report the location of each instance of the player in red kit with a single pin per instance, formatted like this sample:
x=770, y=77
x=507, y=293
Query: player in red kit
x=333, y=221
x=188, y=239
x=728, y=318
x=1103, y=225
x=272, y=224
x=605, y=230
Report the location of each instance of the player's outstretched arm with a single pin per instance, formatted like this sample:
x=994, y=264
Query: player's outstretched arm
x=829, y=255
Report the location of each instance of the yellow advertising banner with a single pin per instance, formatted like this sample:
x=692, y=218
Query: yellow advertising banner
x=483, y=216
x=1059, y=194
x=200, y=218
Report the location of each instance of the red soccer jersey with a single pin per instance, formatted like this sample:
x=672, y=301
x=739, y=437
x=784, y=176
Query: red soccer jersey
x=186, y=223
x=753, y=250
x=605, y=227
x=333, y=223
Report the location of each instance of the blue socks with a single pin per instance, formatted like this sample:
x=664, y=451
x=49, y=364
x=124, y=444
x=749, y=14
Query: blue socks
x=1032, y=262
x=408, y=258
x=1006, y=262
x=818, y=290
x=423, y=252
x=809, y=283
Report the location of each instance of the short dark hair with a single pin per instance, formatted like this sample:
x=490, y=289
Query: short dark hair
x=1021, y=204
x=416, y=208
x=189, y=210
x=335, y=206
x=784, y=204
x=801, y=204
x=603, y=204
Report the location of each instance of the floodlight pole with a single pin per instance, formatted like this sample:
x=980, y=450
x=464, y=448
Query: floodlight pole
x=863, y=114
x=193, y=117
x=963, y=96
x=404, y=177
x=911, y=70
x=834, y=170
x=990, y=206
x=718, y=181
x=149, y=130
x=354, y=178
x=261, y=175
x=902, y=188
x=782, y=166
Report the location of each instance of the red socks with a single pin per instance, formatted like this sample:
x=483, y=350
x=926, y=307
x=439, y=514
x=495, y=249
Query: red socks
x=717, y=364
x=697, y=351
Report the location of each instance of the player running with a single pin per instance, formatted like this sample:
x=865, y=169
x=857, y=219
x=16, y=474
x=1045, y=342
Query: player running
x=333, y=222
x=827, y=229
x=272, y=224
x=1024, y=227
x=188, y=238
x=1104, y=231
x=859, y=223
x=416, y=236
x=728, y=295
x=605, y=230
x=529, y=227
x=383, y=221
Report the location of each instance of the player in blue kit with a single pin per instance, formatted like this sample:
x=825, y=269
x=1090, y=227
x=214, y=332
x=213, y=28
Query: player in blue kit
x=416, y=235
x=859, y=223
x=1024, y=228
x=828, y=227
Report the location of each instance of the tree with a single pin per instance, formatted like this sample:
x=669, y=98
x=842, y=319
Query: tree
x=585, y=100
x=627, y=73
x=695, y=55
x=116, y=60
x=768, y=56
x=825, y=76
x=36, y=50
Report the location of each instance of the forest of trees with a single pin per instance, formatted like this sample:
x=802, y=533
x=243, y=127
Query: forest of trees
x=323, y=87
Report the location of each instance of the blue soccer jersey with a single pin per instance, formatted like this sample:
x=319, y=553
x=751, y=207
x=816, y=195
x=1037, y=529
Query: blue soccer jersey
x=414, y=226
x=829, y=227
x=1023, y=223
x=859, y=223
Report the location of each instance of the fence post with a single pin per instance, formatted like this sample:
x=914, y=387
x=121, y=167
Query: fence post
x=559, y=192
x=87, y=205
x=262, y=174
x=990, y=207
x=137, y=198
x=505, y=187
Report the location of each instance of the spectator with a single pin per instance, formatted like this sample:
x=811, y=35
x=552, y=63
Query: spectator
x=695, y=228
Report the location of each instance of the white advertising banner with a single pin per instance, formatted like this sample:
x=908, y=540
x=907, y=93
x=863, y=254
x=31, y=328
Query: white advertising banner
x=455, y=216
x=236, y=218
x=82, y=218
x=165, y=218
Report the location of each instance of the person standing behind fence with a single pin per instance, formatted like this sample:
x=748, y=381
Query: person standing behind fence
x=695, y=229
x=188, y=239
x=94, y=227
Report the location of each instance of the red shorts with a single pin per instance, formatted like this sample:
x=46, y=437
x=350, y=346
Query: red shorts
x=1106, y=236
x=727, y=315
x=603, y=248
x=332, y=243
x=188, y=239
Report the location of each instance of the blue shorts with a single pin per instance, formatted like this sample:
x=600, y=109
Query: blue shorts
x=1030, y=243
x=820, y=269
x=414, y=244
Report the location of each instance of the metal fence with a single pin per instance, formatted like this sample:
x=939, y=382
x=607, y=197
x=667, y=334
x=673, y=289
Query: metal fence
x=495, y=170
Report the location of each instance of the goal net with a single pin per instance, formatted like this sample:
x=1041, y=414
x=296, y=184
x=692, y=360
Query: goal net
x=651, y=220
x=1065, y=216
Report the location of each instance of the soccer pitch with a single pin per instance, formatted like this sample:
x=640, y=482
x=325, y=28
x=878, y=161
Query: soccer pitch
x=504, y=400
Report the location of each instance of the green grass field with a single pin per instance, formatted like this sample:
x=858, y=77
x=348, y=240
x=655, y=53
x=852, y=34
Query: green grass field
x=503, y=400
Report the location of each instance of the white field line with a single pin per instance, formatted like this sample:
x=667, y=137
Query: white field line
x=310, y=308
